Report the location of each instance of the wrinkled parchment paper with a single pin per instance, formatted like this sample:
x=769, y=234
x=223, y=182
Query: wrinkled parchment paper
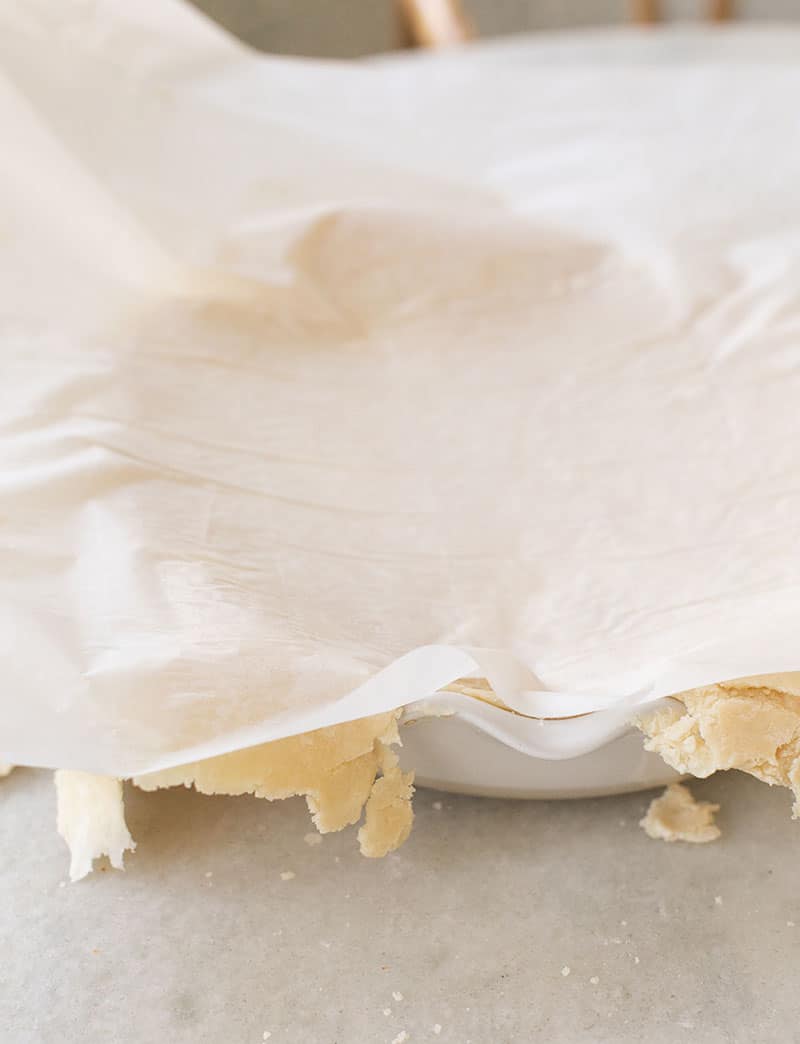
x=324, y=385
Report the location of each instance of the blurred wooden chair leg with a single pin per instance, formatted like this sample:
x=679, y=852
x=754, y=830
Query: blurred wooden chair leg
x=720, y=10
x=441, y=23
x=646, y=12
x=435, y=23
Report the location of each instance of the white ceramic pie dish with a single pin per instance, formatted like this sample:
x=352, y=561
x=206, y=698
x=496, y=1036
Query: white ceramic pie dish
x=451, y=754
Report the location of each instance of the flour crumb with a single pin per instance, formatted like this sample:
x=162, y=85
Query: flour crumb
x=312, y=838
x=387, y=1011
x=635, y=960
x=287, y=875
x=566, y=970
x=594, y=980
x=676, y=816
x=717, y=900
x=397, y=996
x=266, y=1035
x=401, y=1037
x=437, y=1028
x=623, y=924
x=790, y=924
x=209, y=873
x=437, y=806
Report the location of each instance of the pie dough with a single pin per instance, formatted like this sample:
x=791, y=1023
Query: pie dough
x=351, y=769
x=91, y=819
x=752, y=725
x=335, y=769
x=676, y=816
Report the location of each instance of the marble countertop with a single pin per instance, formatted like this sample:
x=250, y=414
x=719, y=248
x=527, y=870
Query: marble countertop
x=470, y=927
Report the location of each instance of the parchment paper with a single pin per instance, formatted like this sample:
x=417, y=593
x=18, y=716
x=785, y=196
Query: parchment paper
x=324, y=385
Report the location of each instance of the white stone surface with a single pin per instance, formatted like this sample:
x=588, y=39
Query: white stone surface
x=472, y=922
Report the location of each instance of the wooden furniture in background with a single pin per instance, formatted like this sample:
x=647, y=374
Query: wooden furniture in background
x=441, y=23
x=646, y=12
x=720, y=10
x=435, y=23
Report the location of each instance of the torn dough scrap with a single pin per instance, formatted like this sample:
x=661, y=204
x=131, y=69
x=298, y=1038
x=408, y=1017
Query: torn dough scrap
x=748, y=725
x=388, y=816
x=91, y=819
x=676, y=816
x=334, y=768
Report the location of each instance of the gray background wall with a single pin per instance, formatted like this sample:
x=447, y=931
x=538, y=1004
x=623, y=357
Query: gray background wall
x=345, y=28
